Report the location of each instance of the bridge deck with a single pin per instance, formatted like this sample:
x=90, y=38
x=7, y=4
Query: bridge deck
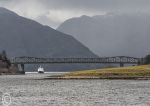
x=33, y=60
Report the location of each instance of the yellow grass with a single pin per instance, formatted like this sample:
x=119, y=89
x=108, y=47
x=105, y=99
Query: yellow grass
x=133, y=71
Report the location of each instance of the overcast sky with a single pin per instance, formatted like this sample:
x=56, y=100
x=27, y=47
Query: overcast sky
x=54, y=12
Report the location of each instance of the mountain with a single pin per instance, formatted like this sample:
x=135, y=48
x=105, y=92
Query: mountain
x=20, y=36
x=112, y=34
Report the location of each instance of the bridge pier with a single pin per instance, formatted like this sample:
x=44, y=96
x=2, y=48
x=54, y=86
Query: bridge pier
x=141, y=61
x=22, y=71
x=22, y=67
x=121, y=65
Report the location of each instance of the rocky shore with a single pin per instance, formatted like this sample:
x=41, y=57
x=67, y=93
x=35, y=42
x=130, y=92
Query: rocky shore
x=93, y=77
x=6, y=68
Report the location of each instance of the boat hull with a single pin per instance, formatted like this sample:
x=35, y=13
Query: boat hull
x=41, y=72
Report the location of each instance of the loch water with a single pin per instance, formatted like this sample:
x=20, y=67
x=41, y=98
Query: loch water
x=32, y=90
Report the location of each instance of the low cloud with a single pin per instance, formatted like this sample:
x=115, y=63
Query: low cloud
x=54, y=12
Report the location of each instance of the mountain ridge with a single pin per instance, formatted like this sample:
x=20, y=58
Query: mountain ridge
x=20, y=36
x=111, y=34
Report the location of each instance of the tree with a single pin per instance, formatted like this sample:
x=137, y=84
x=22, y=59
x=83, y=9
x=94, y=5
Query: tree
x=0, y=57
x=3, y=57
x=147, y=59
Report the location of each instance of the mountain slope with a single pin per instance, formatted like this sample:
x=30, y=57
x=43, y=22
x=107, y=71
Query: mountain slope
x=112, y=34
x=33, y=39
x=20, y=36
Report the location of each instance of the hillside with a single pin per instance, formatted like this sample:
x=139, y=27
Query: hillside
x=112, y=34
x=20, y=36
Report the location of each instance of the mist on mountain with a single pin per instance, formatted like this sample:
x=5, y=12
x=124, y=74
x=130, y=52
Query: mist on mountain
x=112, y=34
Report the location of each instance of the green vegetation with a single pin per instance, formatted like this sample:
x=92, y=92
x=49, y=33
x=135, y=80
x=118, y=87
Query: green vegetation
x=132, y=71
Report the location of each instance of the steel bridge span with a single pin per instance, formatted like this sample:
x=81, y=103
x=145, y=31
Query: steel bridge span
x=105, y=60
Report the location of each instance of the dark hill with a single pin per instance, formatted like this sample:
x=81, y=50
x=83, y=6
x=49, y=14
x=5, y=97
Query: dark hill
x=20, y=36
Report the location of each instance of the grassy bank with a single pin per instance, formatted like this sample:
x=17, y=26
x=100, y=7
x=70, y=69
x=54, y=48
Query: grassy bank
x=126, y=72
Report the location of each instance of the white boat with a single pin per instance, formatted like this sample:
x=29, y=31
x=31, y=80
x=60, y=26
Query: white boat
x=40, y=70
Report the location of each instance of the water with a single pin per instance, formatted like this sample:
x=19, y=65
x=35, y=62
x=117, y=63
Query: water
x=27, y=90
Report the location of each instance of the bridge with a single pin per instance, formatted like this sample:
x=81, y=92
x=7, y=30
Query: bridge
x=105, y=60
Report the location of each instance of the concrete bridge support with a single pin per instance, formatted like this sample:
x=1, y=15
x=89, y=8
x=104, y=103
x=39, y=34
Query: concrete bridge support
x=121, y=65
x=21, y=68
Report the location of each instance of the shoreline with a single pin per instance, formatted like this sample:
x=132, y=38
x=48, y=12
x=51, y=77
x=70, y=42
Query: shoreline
x=92, y=78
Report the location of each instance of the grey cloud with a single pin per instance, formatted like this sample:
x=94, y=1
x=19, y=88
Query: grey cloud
x=106, y=5
x=60, y=10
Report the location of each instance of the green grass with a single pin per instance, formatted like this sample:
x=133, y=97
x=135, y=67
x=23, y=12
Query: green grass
x=132, y=71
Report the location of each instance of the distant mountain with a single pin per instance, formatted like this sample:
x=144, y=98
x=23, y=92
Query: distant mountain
x=20, y=36
x=112, y=34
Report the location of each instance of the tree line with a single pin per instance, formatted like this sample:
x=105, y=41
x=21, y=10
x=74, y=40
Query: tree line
x=4, y=59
